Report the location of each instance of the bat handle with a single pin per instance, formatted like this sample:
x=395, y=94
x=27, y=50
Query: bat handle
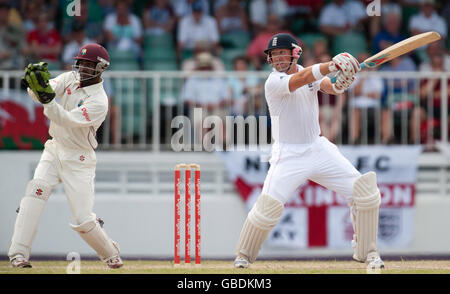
x=362, y=64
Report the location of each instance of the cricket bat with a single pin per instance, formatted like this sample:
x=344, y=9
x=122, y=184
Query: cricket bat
x=398, y=49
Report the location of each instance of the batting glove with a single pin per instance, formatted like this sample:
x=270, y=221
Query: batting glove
x=342, y=83
x=346, y=63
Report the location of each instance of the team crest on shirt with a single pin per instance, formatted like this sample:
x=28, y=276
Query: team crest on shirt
x=82, y=158
x=80, y=103
x=310, y=86
x=68, y=91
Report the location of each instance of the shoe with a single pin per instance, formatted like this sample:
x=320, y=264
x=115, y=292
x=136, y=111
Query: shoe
x=374, y=261
x=241, y=262
x=20, y=262
x=114, y=262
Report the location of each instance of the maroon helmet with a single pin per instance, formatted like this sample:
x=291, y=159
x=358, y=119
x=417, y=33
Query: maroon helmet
x=95, y=53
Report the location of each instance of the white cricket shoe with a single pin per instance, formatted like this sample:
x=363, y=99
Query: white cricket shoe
x=374, y=261
x=241, y=262
x=114, y=262
x=20, y=262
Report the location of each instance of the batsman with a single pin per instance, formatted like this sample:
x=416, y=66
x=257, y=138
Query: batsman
x=69, y=156
x=300, y=153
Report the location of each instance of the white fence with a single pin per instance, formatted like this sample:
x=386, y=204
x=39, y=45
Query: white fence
x=143, y=105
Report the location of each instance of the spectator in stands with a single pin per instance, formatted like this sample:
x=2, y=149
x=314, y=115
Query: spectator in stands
x=14, y=18
x=30, y=15
x=123, y=29
x=427, y=116
x=208, y=93
x=387, y=7
x=12, y=41
x=106, y=6
x=45, y=44
x=184, y=7
x=391, y=32
x=398, y=95
x=245, y=90
x=340, y=17
x=190, y=64
x=91, y=17
x=71, y=49
x=302, y=15
x=159, y=18
x=427, y=20
x=446, y=16
x=196, y=27
x=304, y=7
x=255, y=50
x=259, y=10
x=330, y=106
x=231, y=17
x=365, y=94
x=319, y=49
x=435, y=48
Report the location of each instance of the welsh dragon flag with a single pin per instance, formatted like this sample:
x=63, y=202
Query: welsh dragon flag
x=317, y=217
x=23, y=124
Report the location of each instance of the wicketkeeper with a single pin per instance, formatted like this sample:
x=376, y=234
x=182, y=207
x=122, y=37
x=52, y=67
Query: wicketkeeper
x=69, y=156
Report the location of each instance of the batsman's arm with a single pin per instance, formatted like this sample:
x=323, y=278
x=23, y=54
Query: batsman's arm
x=88, y=114
x=327, y=86
x=308, y=75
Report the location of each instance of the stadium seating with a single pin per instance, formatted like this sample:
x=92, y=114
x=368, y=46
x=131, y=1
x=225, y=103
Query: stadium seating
x=154, y=64
x=229, y=54
x=235, y=40
x=309, y=39
x=159, y=53
x=353, y=43
x=53, y=65
x=128, y=95
x=123, y=60
x=161, y=41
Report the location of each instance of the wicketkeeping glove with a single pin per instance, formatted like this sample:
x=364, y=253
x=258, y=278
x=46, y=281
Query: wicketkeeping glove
x=37, y=79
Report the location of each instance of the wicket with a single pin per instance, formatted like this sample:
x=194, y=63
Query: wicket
x=187, y=214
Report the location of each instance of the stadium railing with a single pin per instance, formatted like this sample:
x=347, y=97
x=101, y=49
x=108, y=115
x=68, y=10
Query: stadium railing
x=145, y=103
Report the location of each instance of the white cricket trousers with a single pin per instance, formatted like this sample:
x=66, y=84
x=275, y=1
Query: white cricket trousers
x=75, y=169
x=291, y=165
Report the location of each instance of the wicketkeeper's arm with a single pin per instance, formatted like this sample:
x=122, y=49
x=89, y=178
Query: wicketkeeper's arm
x=88, y=114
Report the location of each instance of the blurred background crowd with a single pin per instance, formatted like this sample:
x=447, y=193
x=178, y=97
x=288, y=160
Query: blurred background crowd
x=230, y=35
x=170, y=32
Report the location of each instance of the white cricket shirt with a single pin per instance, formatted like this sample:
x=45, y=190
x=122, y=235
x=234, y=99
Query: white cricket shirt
x=294, y=116
x=75, y=118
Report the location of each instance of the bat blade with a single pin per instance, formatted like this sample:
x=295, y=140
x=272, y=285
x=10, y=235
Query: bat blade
x=401, y=48
x=398, y=49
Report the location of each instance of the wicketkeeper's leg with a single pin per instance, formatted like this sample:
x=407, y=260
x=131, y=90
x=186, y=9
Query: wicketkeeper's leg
x=94, y=235
x=78, y=181
x=31, y=208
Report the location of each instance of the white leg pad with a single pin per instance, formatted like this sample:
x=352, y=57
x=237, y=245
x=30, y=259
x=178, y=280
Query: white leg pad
x=264, y=215
x=94, y=235
x=366, y=197
x=31, y=208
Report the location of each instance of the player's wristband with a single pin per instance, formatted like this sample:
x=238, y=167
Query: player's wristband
x=316, y=72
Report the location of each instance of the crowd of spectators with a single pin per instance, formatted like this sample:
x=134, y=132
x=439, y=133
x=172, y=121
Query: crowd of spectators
x=198, y=30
